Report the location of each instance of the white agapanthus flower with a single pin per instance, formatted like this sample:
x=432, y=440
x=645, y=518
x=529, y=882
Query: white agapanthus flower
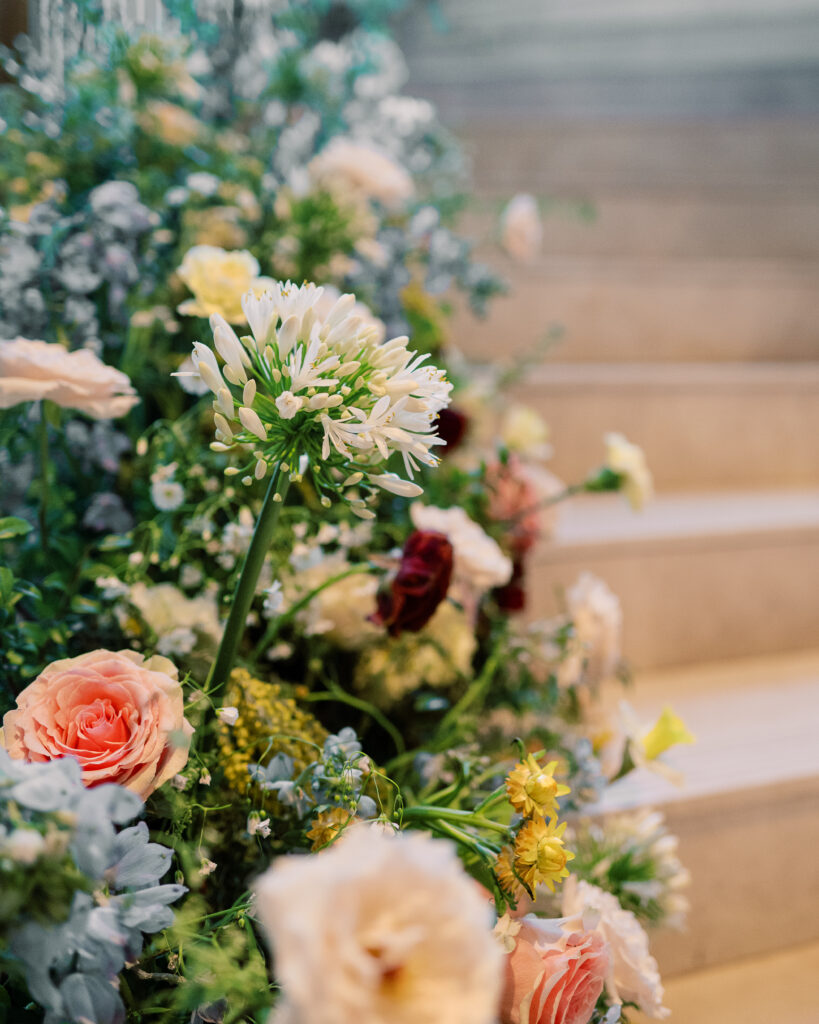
x=479, y=562
x=633, y=973
x=318, y=389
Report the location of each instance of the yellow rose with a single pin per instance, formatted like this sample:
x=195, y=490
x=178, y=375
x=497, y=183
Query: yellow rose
x=218, y=280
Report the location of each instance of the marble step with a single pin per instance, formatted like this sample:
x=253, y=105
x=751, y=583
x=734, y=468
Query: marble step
x=651, y=309
x=700, y=576
x=776, y=989
x=703, y=426
x=747, y=816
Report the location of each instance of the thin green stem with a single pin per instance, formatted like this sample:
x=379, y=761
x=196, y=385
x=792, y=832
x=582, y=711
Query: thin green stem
x=335, y=693
x=455, y=816
x=473, y=693
x=246, y=587
x=44, y=471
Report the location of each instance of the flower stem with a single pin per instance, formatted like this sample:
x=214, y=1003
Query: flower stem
x=246, y=587
x=44, y=471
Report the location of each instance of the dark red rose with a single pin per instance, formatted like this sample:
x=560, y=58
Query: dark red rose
x=511, y=597
x=419, y=586
x=451, y=425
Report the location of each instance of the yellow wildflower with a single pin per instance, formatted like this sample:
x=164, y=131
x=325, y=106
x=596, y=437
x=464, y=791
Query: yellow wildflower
x=218, y=279
x=269, y=723
x=667, y=732
x=534, y=790
x=540, y=856
x=327, y=825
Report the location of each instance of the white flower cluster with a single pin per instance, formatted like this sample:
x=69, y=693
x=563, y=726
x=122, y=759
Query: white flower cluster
x=309, y=388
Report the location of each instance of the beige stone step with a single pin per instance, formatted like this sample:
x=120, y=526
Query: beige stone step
x=700, y=577
x=748, y=812
x=611, y=309
x=777, y=989
x=703, y=426
x=763, y=157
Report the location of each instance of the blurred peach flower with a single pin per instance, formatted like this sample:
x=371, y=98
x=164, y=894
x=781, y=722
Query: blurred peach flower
x=33, y=370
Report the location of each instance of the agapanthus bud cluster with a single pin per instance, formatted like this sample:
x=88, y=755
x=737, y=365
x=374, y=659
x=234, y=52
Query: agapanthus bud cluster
x=321, y=391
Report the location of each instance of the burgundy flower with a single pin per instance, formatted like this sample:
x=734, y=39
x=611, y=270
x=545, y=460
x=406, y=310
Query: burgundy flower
x=418, y=587
x=512, y=596
x=451, y=425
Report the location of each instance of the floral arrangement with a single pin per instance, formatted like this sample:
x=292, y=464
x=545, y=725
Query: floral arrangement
x=276, y=739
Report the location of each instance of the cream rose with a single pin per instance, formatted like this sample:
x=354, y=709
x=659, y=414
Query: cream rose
x=119, y=715
x=633, y=976
x=629, y=462
x=479, y=561
x=218, y=279
x=360, y=170
x=521, y=229
x=33, y=370
x=380, y=929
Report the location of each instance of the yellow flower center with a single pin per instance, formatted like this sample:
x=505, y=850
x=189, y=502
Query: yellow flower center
x=541, y=788
x=551, y=857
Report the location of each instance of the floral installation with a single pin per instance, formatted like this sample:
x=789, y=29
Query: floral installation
x=277, y=743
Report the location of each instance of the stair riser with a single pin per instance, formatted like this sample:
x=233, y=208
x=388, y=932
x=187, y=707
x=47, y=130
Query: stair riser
x=755, y=875
x=697, y=435
x=623, y=312
x=695, y=600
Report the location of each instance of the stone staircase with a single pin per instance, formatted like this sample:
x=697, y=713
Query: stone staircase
x=687, y=302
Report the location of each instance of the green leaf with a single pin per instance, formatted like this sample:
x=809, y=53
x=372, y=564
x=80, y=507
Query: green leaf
x=12, y=526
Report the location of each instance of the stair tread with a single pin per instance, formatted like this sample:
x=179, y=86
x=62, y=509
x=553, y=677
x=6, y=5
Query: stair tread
x=678, y=376
x=607, y=519
x=754, y=720
x=778, y=988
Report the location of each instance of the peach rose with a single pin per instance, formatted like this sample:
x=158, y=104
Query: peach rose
x=119, y=715
x=31, y=370
x=553, y=975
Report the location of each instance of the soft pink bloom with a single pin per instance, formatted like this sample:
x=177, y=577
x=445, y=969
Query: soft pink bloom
x=119, y=715
x=553, y=975
x=33, y=370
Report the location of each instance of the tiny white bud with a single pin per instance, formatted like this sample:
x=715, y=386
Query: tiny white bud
x=353, y=479
x=247, y=480
x=232, y=471
x=250, y=421
x=142, y=447
x=228, y=715
x=224, y=401
x=249, y=393
x=260, y=470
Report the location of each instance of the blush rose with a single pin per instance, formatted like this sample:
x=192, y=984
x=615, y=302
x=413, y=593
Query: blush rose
x=553, y=975
x=419, y=586
x=119, y=715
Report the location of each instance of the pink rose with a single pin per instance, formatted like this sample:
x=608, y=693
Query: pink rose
x=553, y=975
x=119, y=715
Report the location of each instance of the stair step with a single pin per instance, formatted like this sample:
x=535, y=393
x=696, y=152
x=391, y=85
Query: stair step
x=730, y=159
x=702, y=425
x=748, y=812
x=700, y=577
x=671, y=310
x=776, y=989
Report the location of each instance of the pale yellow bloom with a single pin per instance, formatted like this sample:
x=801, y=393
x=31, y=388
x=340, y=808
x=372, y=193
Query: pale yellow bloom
x=172, y=123
x=629, y=462
x=525, y=431
x=218, y=279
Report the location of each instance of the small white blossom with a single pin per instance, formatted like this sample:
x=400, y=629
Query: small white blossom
x=207, y=868
x=228, y=715
x=167, y=495
x=258, y=826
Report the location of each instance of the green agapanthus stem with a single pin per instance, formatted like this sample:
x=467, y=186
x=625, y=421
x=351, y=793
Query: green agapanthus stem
x=246, y=587
x=454, y=816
